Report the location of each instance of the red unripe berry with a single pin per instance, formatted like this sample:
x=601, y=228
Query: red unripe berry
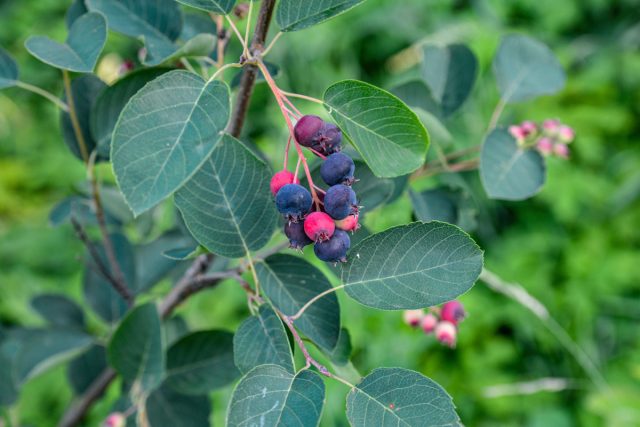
x=319, y=226
x=412, y=317
x=446, y=333
x=350, y=223
x=453, y=312
x=280, y=179
x=428, y=323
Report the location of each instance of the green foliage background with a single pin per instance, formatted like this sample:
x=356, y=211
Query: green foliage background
x=575, y=246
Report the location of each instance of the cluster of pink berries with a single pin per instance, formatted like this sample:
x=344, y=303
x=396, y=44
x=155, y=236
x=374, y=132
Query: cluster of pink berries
x=550, y=138
x=441, y=321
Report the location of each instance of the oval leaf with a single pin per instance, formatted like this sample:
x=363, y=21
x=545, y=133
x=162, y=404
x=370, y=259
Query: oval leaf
x=262, y=340
x=221, y=7
x=412, y=266
x=80, y=52
x=395, y=396
x=388, y=135
x=199, y=45
x=201, y=362
x=59, y=311
x=136, y=348
x=269, y=395
x=227, y=205
x=294, y=15
x=75, y=11
x=8, y=69
x=165, y=133
x=437, y=204
x=510, y=172
x=84, y=369
x=168, y=408
x=290, y=282
x=526, y=68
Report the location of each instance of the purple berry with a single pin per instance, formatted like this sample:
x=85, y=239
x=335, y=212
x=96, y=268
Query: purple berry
x=307, y=129
x=293, y=201
x=340, y=202
x=335, y=249
x=329, y=139
x=297, y=237
x=338, y=168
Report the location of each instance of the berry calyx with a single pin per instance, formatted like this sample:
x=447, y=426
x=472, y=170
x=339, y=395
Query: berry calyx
x=453, y=312
x=350, y=223
x=298, y=239
x=412, y=317
x=338, y=168
x=307, y=129
x=329, y=139
x=340, y=201
x=446, y=333
x=319, y=226
x=335, y=249
x=280, y=179
x=428, y=323
x=293, y=201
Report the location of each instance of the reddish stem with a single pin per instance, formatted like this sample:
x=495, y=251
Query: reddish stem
x=286, y=153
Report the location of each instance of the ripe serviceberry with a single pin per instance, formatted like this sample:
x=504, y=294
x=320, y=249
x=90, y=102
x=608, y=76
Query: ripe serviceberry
x=307, y=130
x=412, y=317
x=297, y=237
x=428, y=323
x=453, y=312
x=335, y=249
x=340, y=202
x=338, y=168
x=319, y=226
x=350, y=223
x=293, y=201
x=280, y=179
x=446, y=333
x=329, y=139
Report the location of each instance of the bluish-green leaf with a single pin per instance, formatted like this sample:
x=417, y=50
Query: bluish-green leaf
x=197, y=23
x=136, y=348
x=526, y=68
x=262, y=340
x=201, y=362
x=8, y=382
x=175, y=328
x=199, y=45
x=371, y=190
x=436, y=204
x=75, y=11
x=269, y=395
x=510, y=172
x=290, y=282
x=85, y=90
x=400, y=397
x=294, y=15
x=8, y=69
x=412, y=266
x=227, y=205
x=221, y=7
x=165, y=133
x=84, y=369
x=59, y=310
x=81, y=209
x=81, y=50
x=388, y=135
x=341, y=354
x=416, y=94
x=450, y=71
x=111, y=101
x=169, y=408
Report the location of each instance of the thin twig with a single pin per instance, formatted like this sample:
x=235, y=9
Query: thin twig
x=51, y=97
x=222, y=36
x=84, y=152
x=245, y=48
x=314, y=299
x=224, y=68
x=272, y=43
x=77, y=411
x=305, y=97
x=496, y=115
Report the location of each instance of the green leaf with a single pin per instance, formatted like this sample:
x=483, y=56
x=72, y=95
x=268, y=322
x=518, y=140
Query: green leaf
x=436, y=204
x=510, y=172
x=84, y=369
x=169, y=408
x=98, y=291
x=221, y=7
x=416, y=94
x=75, y=11
x=227, y=205
x=8, y=69
x=269, y=395
x=201, y=362
x=8, y=383
x=196, y=23
x=136, y=348
x=388, y=135
x=342, y=352
x=85, y=90
x=81, y=50
x=81, y=209
x=262, y=340
x=175, y=328
x=290, y=282
x=199, y=45
x=371, y=190
x=396, y=396
x=294, y=15
x=59, y=311
x=450, y=71
x=526, y=69
x=412, y=266
x=165, y=133
x=111, y=101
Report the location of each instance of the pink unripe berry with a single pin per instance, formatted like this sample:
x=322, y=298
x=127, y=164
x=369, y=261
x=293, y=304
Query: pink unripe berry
x=280, y=179
x=529, y=127
x=561, y=150
x=115, y=419
x=350, y=223
x=319, y=226
x=428, y=323
x=412, y=317
x=517, y=132
x=446, y=333
x=551, y=126
x=453, y=312
x=545, y=146
x=566, y=134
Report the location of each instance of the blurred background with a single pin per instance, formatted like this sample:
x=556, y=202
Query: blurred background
x=575, y=246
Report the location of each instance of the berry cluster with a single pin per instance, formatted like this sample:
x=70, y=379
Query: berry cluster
x=443, y=322
x=336, y=210
x=550, y=138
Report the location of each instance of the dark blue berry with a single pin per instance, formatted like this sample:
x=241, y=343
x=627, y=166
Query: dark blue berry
x=293, y=201
x=297, y=237
x=307, y=130
x=329, y=139
x=338, y=168
x=335, y=249
x=340, y=201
